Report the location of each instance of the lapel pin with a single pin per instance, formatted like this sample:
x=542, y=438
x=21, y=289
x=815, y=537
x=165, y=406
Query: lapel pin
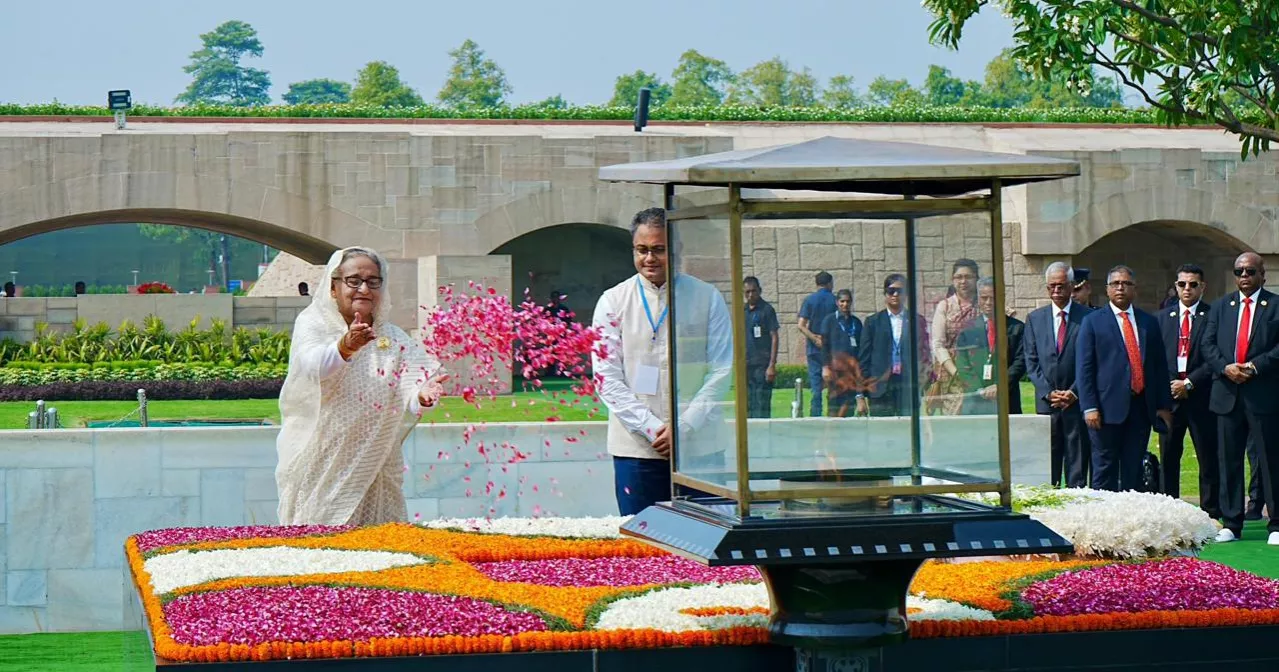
x=1263, y=303
x=1232, y=303
x=1172, y=314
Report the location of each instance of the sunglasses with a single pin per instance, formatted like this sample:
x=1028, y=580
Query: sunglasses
x=1182, y=284
x=893, y=291
x=1240, y=272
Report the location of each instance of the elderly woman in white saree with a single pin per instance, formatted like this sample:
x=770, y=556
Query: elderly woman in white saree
x=357, y=385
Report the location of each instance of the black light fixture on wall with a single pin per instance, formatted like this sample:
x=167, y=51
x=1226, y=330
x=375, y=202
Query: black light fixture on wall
x=641, y=109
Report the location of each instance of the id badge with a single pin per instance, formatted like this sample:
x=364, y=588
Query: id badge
x=646, y=377
x=897, y=369
x=988, y=372
x=852, y=341
x=759, y=331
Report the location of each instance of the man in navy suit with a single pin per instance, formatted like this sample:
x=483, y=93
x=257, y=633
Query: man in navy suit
x=1241, y=344
x=894, y=386
x=1122, y=379
x=1190, y=382
x=1049, y=344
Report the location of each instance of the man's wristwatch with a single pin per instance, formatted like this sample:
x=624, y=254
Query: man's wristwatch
x=1189, y=385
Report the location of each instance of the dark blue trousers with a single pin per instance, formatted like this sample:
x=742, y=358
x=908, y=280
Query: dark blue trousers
x=1117, y=450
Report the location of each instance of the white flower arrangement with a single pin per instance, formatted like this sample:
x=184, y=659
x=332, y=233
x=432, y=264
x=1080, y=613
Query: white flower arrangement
x=944, y=610
x=661, y=609
x=569, y=528
x=171, y=571
x=1126, y=524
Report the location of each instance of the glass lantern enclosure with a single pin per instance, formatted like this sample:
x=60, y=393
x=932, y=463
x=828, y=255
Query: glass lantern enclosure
x=907, y=390
x=891, y=258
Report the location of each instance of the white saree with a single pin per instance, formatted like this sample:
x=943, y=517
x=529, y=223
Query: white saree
x=343, y=423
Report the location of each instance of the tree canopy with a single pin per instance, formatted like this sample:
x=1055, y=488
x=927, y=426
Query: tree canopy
x=378, y=83
x=474, y=80
x=317, y=91
x=700, y=80
x=1191, y=60
x=216, y=73
x=626, y=89
x=772, y=82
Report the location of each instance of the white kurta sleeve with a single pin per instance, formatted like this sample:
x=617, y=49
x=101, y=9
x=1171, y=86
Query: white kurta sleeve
x=322, y=361
x=618, y=397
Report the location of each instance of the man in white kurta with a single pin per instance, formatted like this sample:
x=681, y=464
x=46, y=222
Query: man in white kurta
x=635, y=371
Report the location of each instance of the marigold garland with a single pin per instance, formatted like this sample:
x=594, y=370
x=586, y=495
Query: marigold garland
x=978, y=584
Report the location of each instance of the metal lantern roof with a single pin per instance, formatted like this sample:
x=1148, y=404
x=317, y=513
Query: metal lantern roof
x=850, y=165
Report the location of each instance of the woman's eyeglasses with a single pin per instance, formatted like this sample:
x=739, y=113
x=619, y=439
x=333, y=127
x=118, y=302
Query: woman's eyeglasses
x=1182, y=284
x=354, y=282
x=1249, y=271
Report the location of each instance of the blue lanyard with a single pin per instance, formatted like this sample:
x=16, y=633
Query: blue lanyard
x=849, y=329
x=648, y=313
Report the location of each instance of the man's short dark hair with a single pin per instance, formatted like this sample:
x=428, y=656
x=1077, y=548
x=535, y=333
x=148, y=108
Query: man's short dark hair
x=844, y=292
x=303, y=288
x=1193, y=269
x=894, y=277
x=79, y=287
x=654, y=217
x=824, y=279
x=753, y=281
x=1120, y=268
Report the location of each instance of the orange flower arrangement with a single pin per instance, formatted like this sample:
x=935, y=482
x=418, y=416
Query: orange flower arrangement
x=567, y=611
x=979, y=584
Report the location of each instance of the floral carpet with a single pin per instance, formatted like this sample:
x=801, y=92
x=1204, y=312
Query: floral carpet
x=263, y=593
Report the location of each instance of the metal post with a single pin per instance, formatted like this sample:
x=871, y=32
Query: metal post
x=142, y=407
x=51, y=418
x=31, y=420
x=119, y=120
x=798, y=403
x=40, y=414
x=1003, y=389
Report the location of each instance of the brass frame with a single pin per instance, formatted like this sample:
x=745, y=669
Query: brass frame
x=909, y=208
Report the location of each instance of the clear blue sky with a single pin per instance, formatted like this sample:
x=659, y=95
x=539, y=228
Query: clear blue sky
x=75, y=50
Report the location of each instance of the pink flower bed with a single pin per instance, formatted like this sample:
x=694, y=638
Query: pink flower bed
x=612, y=571
x=1180, y=584
x=149, y=541
x=323, y=613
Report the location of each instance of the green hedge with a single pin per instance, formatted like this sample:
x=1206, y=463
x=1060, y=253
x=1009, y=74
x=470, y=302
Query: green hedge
x=29, y=373
x=151, y=341
x=902, y=114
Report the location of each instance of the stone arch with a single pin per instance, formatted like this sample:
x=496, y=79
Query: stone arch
x=579, y=259
x=1100, y=209
x=603, y=204
x=1154, y=249
x=307, y=225
x=288, y=240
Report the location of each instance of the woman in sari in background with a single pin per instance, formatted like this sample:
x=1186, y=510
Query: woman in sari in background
x=357, y=385
x=952, y=316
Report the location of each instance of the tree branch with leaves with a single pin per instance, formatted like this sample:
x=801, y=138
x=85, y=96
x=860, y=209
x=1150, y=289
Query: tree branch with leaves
x=1192, y=61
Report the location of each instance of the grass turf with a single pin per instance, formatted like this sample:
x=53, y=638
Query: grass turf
x=63, y=652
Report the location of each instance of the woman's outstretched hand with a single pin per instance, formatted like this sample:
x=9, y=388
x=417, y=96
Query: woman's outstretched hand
x=431, y=392
x=358, y=335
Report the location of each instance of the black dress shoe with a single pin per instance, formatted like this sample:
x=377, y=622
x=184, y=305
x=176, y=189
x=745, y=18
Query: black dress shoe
x=1252, y=513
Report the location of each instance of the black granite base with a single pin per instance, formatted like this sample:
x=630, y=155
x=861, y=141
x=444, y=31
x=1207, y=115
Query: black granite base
x=1243, y=649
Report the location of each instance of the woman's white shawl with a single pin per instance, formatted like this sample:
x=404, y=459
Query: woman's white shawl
x=340, y=455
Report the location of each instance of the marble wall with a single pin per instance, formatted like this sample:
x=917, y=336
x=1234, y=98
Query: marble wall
x=69, y=498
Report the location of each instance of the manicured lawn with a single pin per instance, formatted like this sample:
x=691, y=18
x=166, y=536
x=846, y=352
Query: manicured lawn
x=65, y=652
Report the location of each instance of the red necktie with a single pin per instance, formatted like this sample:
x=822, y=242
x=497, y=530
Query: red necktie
x=1183, y=341
x=1241, y=341
x=990, y=334
x=1061, y=331
x=1134, y=355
